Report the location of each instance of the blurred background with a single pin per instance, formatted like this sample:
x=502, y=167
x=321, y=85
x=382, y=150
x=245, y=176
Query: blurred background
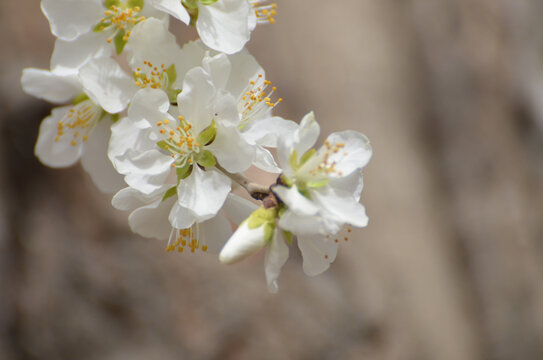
x=450, y=92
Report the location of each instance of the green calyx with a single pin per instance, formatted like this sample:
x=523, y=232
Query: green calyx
x=206, y=136
x=263, y=217
x=79, y=98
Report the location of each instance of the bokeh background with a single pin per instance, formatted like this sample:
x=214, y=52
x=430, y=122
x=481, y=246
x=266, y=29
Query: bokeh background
x=450, y=92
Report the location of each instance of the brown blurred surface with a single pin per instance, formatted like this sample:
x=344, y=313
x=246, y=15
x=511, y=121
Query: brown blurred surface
x=450, y=92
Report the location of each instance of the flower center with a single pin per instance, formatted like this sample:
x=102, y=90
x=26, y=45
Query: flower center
x=256, y=100
x=122, y=18
x=327, y=166
x=178, y=141
x=152, y=76
x=189, y=238
x=77, y=124
x=265, y=13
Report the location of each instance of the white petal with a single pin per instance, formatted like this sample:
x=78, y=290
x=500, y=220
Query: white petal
x=95, y=161
x=231, y=150
x=295, y=201
x=191, y=56
x=340, y=206
x=71, y=18
x=318, y=252
x=69, y=56
x=150, y=105
x=246, y=69
x=128, y=137
x=308, y=225
x=243, y=243
x=307, y=134
x=352, y=184
x=174, y=8
x=107, y=84
x=224, y=26
x=180, y=217
x=237, y=208
x=203, y=192
x=195, y=102
x=264, y=160
x=218, y=67
x=150, y=171
x=151, y=41
x=152, y=220
x=267, y=132
x=56, y=153
x=355, y=154
x=276, y=257
x=49, y=86
x=128, y=199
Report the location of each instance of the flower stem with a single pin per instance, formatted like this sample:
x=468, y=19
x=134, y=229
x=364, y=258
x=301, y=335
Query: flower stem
x=257, y=191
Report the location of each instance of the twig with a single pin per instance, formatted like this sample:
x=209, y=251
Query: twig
x=257, y=191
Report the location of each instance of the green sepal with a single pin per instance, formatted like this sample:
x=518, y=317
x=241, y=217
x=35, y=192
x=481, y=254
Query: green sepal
x=79, y=98
x=190, y=4
x=133, y=3
x=183, y=172
x=172, y=74
x=268, y=231
x=288, y=236
x=317, y=184
x=99, y=27
x=172, y=96
x=287, y=181
x=307, y=156
x=109, y=3
x=171, y=192
x=206, y=159
x=193, y=16
x=115, y=117
x=208, y=2
x=261, y=216
x=206, y=136
x=163, y=145
x=293, y=160
x=119, y=41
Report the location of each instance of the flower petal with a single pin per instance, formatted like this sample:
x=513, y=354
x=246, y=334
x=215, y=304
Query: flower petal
x=231, y=149
x=267, y=132
x=151, y=41
x=69, y=56
x=174, y=8
x=203, y=192
x=56, y=153
x=95, y=161
x=318, y=252
x=107, y=84
x=340, y=205
x=243, y=243
x=276, y=257
x=224, y=26
x=308, y=225
x=295, y=201
x=49, y=86
x=196, y=99
x=307, y=134
x=152, y=220
x=128, y=199
x=355, y=154
x=71, y=18
x=218, y=67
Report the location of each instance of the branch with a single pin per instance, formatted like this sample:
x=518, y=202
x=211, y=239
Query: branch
x=257, y=191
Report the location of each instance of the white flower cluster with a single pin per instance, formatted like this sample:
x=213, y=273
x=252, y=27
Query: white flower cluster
x=181, y=125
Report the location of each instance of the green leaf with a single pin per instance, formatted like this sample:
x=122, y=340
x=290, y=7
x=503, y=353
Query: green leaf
x=288, y=236
x=119, y=41
x=171, y=192
x=307, y=156
x=184, y=172
x=206, y=159
x=79, y=98
x=133, y=3
x=206, y=136
x=109, y=3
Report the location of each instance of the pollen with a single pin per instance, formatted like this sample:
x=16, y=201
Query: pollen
x=78, y=122
x=151, y=76
x=257, y=99
x=120, y=18
x=186, y=238
x=265, y=13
